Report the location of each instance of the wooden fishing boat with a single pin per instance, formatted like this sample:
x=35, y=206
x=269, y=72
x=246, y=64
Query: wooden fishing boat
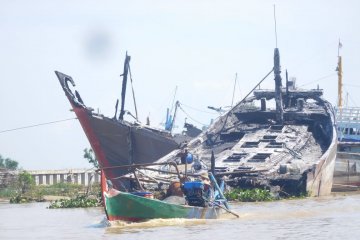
x=191, y=202
x=130, y=207
x=116, y=141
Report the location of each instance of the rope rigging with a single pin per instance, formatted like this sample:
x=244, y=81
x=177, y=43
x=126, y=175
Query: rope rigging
x=239, y=103
x=351, y=99
x=173, y=101
x=133, y=94
x=351, y=85
x=190, y=116
x=319, y=79
x=196, y=109
x=36, y=125
x=232, y=100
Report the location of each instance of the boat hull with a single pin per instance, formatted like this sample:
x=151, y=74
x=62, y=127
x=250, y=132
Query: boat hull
x=128, y=207
x=117, y=142
x=110, y=140
x=320, y=178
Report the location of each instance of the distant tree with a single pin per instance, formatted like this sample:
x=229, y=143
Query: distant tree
x=25, y=182
x=8, y=163
x=90, y=156
x=11, y=164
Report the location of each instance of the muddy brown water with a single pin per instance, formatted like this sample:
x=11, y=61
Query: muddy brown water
x=333, y=217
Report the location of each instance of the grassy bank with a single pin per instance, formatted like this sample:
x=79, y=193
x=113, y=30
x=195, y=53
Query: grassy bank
x=38, y=193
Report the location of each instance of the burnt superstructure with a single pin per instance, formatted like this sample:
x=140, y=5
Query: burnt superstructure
x=289, y=148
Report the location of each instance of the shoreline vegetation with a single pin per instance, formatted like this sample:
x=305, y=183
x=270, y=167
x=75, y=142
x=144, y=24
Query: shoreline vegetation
x=21, y=188
x=68, y=195
x=60, y=195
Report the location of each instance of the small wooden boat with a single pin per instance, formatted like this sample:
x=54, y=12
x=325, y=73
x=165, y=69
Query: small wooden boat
x=137, y=206
x=130, y=207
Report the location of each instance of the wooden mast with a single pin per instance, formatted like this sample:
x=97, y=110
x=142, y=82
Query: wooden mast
x=278, y=86
x=123, y=90
x=339, y=70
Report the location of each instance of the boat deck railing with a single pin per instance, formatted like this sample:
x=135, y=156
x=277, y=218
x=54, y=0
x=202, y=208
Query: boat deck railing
x=348, y=123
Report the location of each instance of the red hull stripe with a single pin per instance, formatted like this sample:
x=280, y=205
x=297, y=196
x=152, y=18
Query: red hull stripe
x=83, y=117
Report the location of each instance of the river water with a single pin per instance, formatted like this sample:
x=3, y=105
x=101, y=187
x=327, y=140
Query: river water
x=333, y=217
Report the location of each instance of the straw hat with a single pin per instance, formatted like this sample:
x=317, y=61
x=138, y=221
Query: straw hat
x=205, y=178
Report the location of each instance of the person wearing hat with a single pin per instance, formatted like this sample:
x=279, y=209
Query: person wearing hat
x=205, y=178
x=208, y=189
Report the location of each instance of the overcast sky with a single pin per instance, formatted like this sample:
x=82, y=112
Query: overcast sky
x=195, y=45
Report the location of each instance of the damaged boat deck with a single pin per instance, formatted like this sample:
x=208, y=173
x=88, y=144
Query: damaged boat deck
x=290, y=148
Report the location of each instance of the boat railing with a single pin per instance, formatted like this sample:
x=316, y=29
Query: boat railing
x=348, y=115
x=348, y=123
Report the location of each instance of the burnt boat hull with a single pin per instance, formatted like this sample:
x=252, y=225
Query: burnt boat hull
x=117, y=142
x=320, y=178
x=293, y=164
x=288, y=174
x=289, y=149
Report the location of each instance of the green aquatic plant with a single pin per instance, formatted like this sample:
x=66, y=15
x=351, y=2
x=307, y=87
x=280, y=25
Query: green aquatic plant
x=78, y=202
x=20, y=199
x=249, y=195
x=300, y=196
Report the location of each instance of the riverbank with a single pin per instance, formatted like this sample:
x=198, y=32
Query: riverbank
x=48, y=193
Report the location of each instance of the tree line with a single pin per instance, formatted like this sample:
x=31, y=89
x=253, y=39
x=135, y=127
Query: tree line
x=8, y=163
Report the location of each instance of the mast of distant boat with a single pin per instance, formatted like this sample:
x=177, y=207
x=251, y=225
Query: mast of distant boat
x=339, y=70
x=177, y=104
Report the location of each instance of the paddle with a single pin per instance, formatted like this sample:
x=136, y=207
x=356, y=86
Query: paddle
x=228, y=210
x=213, y=180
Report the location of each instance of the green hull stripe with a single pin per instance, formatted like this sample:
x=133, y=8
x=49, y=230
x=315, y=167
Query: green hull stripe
x=132, y=206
